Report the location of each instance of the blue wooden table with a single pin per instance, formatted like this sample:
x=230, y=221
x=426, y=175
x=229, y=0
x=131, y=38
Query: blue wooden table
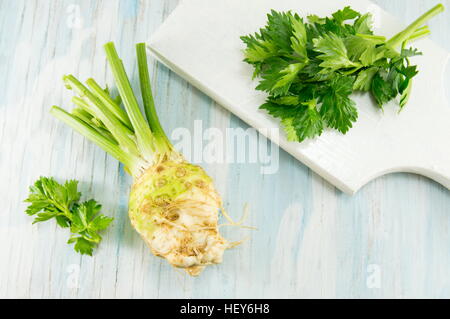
x=392, y=239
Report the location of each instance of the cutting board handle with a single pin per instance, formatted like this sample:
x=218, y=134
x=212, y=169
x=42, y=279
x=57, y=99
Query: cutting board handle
x=426, y=151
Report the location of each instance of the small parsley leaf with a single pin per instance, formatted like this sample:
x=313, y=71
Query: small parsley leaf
x=48, y=199
x=345, y=14
x=363, y=25
x=338, y=110
x=334, y=53
x=308, y=123
x=364, y=80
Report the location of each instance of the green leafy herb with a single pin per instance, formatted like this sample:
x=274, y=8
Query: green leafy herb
x=48, y=199
x=310, y=68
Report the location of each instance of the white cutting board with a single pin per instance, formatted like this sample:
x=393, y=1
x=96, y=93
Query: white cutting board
x=200, y=41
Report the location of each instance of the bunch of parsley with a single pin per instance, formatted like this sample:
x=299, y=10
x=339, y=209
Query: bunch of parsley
x=311, y=68
x=48, y=199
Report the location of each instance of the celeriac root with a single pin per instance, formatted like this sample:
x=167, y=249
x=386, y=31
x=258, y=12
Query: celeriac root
x=175, y=208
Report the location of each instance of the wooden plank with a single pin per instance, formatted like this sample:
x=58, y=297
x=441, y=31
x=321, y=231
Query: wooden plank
x=312, y=240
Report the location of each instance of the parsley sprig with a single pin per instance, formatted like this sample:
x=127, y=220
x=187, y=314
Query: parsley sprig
x=48, y=199
x=310, y=68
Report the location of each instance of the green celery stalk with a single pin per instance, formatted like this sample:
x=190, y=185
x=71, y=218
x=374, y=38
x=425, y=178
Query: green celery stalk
x=403, y=36
x=132, y=162
x=109, y=102
x=149, y=103
x=420, y=33
x=143, y=133
x=120, y=132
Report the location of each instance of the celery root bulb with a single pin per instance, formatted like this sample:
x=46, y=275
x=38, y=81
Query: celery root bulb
x=173, y=204
x=174, y=207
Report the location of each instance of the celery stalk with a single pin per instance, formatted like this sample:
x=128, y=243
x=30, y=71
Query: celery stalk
x=403, y=36
x=107, y=145
x=120, y=132
x=109, y=102
x=143, y=133
x=147, y=97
